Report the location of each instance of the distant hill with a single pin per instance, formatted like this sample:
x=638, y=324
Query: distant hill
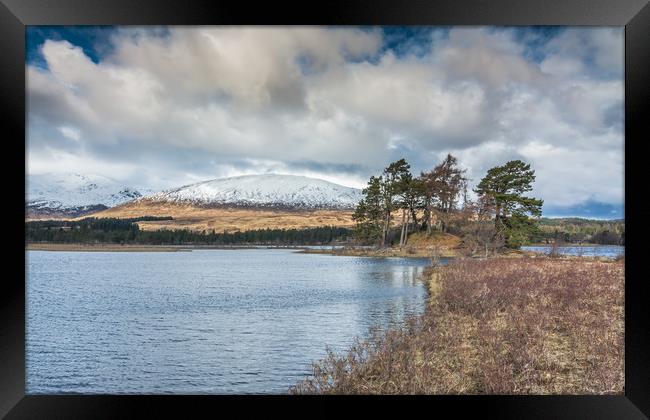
x=246, y=203
x=73, y=195
x=264, y=191
x=579, y=230
x=576, y=221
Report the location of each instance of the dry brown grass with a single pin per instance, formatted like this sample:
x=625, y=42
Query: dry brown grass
x=419, y=245
x=406, y=252
x=226, y=219
x=436, y=239
x=500, y=326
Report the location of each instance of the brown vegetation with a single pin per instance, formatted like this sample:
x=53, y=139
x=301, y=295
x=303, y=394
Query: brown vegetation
x=497, y=326
x=226, y=219
x=419, y=244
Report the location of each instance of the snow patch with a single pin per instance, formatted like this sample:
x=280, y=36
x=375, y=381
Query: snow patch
x=72, y=191
x=270, y=190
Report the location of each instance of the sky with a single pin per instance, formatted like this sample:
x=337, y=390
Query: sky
x=161, y=107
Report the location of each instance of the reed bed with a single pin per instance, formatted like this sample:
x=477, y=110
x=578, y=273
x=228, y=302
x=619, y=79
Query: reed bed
x=496, y=326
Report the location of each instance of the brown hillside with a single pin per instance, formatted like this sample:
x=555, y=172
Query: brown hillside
x=226, y=219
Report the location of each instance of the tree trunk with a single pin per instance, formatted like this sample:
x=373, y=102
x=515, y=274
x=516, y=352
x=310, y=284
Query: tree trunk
x=443, y=221
x=383, y=232
x=426, y=220
x=386, y=229
x=498, y=214
x=414, y=217
x=406, y=232
x=401, y=236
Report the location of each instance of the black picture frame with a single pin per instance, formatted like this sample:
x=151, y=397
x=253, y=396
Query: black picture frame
x=633, y=14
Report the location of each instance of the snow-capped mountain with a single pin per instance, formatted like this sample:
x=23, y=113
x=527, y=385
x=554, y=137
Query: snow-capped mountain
x=269, y=190
x=72, y=195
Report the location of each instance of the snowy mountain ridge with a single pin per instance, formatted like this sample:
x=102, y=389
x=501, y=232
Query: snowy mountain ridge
x=73, y=194
x=268, y=190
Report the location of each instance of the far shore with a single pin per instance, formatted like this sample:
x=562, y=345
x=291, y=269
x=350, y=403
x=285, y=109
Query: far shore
x=103, y=247
x=350, y=251
x=106, y=247
x=345, y=251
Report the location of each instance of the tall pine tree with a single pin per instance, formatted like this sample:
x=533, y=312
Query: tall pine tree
x=392, y=179
x=369, y=214
x=505, y=186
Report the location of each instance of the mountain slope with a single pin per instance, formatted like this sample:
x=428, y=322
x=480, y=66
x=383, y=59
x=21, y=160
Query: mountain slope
x=73, y=195
x=246, y=203
x=266, y=191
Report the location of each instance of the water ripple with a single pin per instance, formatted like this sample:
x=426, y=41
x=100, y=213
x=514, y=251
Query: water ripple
x=202, y=322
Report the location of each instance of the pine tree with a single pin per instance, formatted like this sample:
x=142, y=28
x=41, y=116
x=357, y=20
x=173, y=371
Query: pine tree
x=369, y=214
x=411, y=193
x=392, y=178
x=443, y=185
x=505, y=186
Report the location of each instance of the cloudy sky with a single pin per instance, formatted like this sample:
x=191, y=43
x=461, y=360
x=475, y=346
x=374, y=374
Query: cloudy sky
x=163, y=107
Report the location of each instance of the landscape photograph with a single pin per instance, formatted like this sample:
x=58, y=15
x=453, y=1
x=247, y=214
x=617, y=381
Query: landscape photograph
x=325, y=210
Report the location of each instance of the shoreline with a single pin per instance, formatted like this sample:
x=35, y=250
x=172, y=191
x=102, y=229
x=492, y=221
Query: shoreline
x=472, y=326
x=107, y=247
x=103, y=247
x=301, y=249
x=382, y=253
x=571, y=245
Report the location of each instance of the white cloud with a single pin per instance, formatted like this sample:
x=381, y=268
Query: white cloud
x=49, y=160
x=579, y=170
x=204, y=102
x=600, y=49
x=70, y=133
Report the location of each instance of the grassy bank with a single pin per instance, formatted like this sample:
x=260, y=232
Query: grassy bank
x=496, y=326
x=420, y=245
x=382, y=252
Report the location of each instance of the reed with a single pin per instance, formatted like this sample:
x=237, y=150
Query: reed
x=496, y=326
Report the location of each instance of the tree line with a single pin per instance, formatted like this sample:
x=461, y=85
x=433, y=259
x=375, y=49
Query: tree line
x=437, y=200
x=126, y=231
x=577, y=230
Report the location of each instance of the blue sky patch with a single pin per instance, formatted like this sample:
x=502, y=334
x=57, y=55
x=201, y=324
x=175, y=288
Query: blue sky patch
x=589, y=210
x=94, y=40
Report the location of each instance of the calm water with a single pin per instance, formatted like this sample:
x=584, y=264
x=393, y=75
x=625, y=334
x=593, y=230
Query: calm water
x=609, y=251
x=209, y=321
